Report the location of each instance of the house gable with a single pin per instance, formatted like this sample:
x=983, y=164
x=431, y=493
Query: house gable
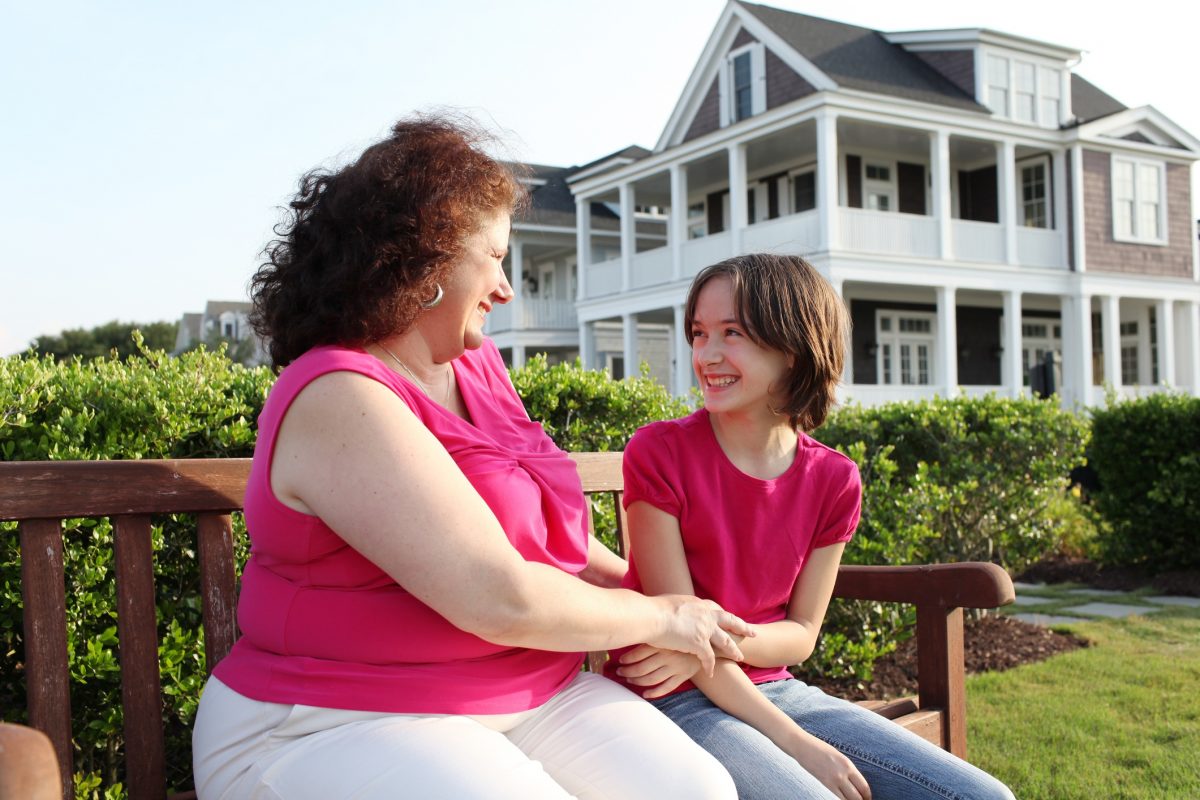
x=788, y=75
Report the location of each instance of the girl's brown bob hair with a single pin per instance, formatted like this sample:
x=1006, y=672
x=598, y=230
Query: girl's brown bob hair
x=783, y=303
x=364, y=246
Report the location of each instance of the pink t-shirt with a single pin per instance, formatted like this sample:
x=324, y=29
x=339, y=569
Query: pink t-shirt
x=746, y=539
x=323, y=626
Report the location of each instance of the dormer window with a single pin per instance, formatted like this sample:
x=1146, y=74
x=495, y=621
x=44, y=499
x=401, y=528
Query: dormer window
x=1024, y=91
x=743, y=84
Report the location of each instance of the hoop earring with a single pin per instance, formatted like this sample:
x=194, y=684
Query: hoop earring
x=437, y=298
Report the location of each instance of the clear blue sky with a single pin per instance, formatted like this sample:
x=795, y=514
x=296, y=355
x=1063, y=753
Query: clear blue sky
x=148, y=145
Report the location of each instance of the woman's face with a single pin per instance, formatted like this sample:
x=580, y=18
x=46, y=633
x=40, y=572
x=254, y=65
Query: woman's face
x=473, y=285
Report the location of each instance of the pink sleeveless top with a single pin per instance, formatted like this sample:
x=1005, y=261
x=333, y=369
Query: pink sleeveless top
x=323, y=626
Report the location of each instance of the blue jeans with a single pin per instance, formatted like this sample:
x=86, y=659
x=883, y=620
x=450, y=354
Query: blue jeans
x=897, y=764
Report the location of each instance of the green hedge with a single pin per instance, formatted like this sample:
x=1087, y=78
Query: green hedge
x=945, y=480
x=1146, y=454
x=198, y=405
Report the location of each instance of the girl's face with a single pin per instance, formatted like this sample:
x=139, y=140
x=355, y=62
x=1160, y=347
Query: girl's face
x=735, y=374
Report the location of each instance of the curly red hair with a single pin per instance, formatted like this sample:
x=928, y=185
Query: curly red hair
x=363, y=246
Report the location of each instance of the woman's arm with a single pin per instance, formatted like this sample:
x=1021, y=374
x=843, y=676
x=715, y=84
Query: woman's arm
x=662, y=567
x=350, y=452
x=604, y=568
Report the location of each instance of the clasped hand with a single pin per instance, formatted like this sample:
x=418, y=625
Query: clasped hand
x=702, y=629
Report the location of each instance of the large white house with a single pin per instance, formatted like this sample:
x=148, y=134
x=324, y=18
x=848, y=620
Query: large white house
x=976, y=203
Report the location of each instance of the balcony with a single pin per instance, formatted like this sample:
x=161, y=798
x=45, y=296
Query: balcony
x=889, y=233
x=536, y=313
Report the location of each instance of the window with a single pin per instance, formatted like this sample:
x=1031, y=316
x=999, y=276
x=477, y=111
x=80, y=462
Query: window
x=1026, y=92
x=879, y=187
x=697, y=221
x=1023, y=91
x=1038, y=337
x=1033, y=212
x=904, y=354
x=997, y=89
x=1139, y=201
x=804, y=191
x=742, y=84
x=1050, y=90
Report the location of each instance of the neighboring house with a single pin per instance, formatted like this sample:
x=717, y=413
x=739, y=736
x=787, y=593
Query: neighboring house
x=222, y=320
x=976, y=203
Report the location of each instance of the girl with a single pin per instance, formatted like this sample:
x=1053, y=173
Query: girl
x=738, y=504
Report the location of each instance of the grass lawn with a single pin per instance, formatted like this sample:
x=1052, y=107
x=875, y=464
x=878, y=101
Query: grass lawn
x=1120, y=719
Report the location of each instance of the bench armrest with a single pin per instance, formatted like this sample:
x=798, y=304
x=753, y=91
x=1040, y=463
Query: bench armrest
x=972, y=584
x=940, y=592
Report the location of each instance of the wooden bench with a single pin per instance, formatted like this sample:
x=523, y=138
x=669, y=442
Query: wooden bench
x=39, y=495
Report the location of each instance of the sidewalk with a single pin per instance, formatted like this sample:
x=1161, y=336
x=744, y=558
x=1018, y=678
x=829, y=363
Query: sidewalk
x=1055, y=604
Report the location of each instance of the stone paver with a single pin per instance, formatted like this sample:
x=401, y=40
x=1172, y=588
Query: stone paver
x=1165, y=600
x=1096, y=592
x=1047, y=619
x=1029, y=600
x=1114, y=610
x=1027, y=587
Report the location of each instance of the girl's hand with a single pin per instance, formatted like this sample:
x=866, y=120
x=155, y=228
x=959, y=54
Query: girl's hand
x=830, y=767
x=700, y=627
x=662, y=670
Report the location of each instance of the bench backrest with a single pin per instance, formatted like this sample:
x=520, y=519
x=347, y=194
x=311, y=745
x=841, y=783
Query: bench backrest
x=40, y=495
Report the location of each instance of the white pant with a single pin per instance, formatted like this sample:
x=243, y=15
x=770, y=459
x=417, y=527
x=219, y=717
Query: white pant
x=592, y=740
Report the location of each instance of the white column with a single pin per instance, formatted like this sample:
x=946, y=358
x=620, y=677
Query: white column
x=516, y=250
x=1060, y=188
x=1006, y=184
x=583, y=246
x=628, y=235
x=677, y=232
x=1192, y=348
x=1110, y=327
x=737, y=195
x=1164, y=318
x=939, y=159
x=1077, y=215
x=827, y=180
x=518, y=356
x=683, y=354
x=587, y=345
x=1077, y=349
x=947, y=340
x=629, y=327
x=839, y=286
x=1013, y=376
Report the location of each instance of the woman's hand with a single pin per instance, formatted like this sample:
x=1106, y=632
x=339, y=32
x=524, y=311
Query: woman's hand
x=662, y=670
x=828, y=765
x=702, y=628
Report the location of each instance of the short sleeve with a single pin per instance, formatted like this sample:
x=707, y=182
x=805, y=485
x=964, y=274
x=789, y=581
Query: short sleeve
x=844, y=506
x=650, y=472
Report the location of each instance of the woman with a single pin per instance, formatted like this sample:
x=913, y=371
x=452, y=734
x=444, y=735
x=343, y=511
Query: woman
x=412, y=612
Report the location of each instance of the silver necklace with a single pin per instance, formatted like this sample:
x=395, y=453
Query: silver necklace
x=417, y=380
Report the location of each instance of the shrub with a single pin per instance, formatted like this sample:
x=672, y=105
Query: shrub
x=1146, y=454
x=584, y=410
x=977, y=475
x=148, y=406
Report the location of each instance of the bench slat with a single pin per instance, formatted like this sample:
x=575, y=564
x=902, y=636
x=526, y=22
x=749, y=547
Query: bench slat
x=35, y=489
x=218, y=586
x=47, y=675
x=141, y=689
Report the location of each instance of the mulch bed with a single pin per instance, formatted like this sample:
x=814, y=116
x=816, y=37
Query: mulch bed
x=990, y=643
x=997, y=642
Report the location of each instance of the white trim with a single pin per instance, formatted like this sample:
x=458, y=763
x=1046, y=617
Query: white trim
x=1078, y=221
x=1138, y=164
x=962, y=38
x=1101, y=127
x=602, y=167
